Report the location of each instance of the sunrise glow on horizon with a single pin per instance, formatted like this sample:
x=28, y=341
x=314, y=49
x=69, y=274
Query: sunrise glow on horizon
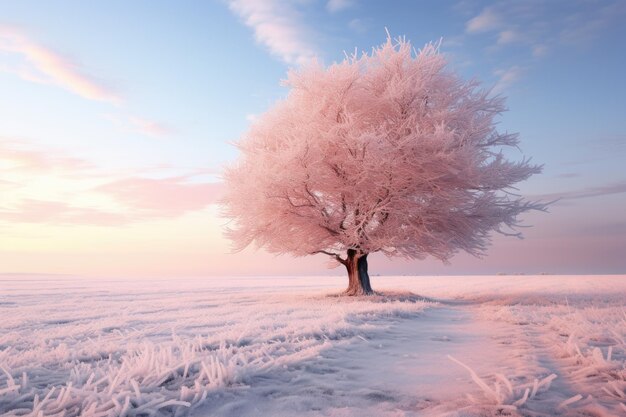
x=117, y=125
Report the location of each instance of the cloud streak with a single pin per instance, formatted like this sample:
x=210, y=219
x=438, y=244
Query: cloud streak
x=166, y=197
x=60, y=213
x=583, y=27
x=335, y=6
x=277, y=26
x=19, y=156
x=140, y=200
x=140, y=125
x=39, y=185
x=506, y=78
x=541, y=27
x=485, y=21
x=149, y=127
x=42, y=65
x=588, y=192
x=520, y=31
x=33, y=62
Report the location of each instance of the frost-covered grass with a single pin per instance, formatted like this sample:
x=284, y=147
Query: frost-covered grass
x=584, y=334
x=530, y=346
x=158, y=348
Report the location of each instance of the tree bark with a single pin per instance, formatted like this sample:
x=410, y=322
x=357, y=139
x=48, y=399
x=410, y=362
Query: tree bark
x=364, y=277
x=358, y=278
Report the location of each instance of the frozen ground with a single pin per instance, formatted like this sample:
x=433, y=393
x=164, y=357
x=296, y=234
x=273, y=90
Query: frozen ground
x=465, y=346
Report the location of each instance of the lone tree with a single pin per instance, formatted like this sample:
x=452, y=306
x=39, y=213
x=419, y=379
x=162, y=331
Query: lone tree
x=384, y=152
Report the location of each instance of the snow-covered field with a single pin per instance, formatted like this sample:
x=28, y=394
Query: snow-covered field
x=460, y=346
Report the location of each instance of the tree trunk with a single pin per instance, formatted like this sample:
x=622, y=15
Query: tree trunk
x=358, y=278
x=364, y=277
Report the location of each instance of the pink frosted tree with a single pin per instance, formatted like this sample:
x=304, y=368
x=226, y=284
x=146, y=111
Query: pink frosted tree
x=384, y=152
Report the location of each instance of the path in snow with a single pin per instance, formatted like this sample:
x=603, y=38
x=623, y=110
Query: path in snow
x=403, y=367
x=401, y=370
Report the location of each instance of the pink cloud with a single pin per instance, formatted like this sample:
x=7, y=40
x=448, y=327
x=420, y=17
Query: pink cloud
x=166, y=197
x=43, y=65
x=16, y=155
x=509, y=36
x=334, y=6
x=143, y=199
x=7, y=184
x=60, y=213
x=149, y=127
x=487, y=20
x=358, y=25
x=276, y=25
x=139, y=125
x=506, y=78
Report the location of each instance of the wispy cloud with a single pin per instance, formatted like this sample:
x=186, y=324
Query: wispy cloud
x=40, y=185
x=43, y=65
x=150, y=127
x=278, y=26
x=575, y=23
x=583, y=27
x=139, y=125
x=60, y=213
x=7, y=184
x=506, y=78
x=166, y=197
x=358, y=25
x=487, y=20
x=588, y=192
x=509, y=36
x=539, y=50
x=335, y=6
x=20, y=156
x=140, y=200
x=252, y=117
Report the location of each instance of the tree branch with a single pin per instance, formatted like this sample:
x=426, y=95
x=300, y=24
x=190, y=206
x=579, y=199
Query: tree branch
x=334, y=255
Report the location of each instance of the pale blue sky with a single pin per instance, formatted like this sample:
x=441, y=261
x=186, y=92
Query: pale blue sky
x=155, y=89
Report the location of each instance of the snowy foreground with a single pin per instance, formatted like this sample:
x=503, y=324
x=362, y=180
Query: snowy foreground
x=461, y=346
